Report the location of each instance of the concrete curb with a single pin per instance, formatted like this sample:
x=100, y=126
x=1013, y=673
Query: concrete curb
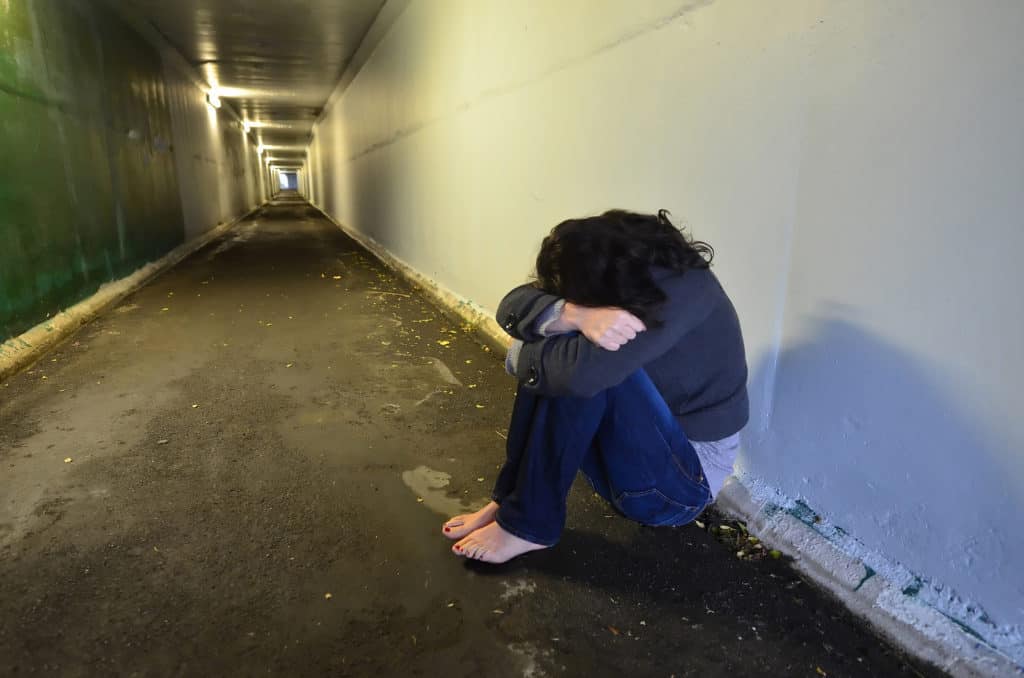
x=916, y=627
x=21, y=351
x=454, y=305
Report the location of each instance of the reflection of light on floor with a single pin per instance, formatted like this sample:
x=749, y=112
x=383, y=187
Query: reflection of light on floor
x=429, y=485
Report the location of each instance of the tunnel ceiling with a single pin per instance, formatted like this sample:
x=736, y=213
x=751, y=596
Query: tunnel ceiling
x=276, y=62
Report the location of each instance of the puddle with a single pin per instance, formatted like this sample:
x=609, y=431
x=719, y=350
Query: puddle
x=517, y=589
x=429, y=485
x=445, y=372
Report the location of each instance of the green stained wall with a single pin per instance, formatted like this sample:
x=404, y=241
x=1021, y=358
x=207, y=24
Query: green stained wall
x=88, y=190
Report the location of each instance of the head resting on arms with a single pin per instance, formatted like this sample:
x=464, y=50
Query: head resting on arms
x=607, y=260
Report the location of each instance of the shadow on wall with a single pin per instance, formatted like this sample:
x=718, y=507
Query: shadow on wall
x=874, y=437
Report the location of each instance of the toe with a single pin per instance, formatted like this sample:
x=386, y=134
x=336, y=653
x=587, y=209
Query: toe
x=455, y=528
x=462, y=547
x=489, y=556
x=472, y=548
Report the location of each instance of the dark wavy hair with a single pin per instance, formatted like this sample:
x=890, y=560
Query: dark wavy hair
x=607, y=260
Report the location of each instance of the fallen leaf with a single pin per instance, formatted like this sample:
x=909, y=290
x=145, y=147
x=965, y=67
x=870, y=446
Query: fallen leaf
x=162, y=441
x=451, y=604
x=165, y=309
x=480, y=479
x=195, y=405
x=419, y=500
x=336, y=277
x=328, y=596
x=615, y=631
x=443, y=342
x=820, y=672
x=498, y=611
x=479, y=406
x=289, y=364
x=469, y=362
x=67, y=460
x=699, y=524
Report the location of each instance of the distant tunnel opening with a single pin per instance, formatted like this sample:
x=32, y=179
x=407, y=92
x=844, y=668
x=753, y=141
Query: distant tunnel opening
x=288, y=181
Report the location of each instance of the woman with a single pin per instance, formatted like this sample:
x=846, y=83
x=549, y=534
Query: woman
x=631, y=369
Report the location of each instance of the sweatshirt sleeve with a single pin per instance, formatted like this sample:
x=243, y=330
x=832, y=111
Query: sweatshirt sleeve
x=570, y=365
x=519, y=310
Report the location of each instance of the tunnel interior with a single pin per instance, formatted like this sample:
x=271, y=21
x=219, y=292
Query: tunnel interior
x=250, y=258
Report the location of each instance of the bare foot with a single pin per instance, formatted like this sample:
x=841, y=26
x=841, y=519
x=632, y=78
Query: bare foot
x=459, y=526
x=491, y=544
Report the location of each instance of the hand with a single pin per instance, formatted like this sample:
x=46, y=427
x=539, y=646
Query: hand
x=608, y=327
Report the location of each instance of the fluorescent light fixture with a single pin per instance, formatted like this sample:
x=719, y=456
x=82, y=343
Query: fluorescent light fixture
x=213, y=99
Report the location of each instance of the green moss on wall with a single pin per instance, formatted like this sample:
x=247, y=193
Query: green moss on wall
x=88, y=191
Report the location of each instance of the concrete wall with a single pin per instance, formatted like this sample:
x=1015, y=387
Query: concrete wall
x=219, y=172
x=88, y=191
x=110, y=156
x=859, y=168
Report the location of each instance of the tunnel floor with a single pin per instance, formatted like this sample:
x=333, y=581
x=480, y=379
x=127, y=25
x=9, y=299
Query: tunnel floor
x=243, y=467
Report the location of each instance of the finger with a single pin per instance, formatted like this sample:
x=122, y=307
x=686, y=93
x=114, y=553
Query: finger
x=626, y=332
x=617, y=335
x=610, y=345
x=612, y=332
x=635, y=323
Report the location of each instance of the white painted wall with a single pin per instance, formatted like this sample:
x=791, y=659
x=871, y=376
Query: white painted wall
x=859, y=166
x=220, y=175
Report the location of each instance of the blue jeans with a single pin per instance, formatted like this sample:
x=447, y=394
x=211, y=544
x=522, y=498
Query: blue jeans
x=626, y=442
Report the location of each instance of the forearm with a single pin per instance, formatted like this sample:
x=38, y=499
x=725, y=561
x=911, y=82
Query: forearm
x=551, y=321
x=563, y=322
x=518, y=312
